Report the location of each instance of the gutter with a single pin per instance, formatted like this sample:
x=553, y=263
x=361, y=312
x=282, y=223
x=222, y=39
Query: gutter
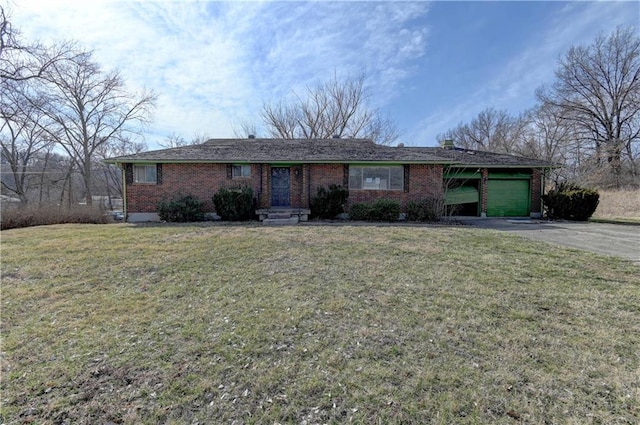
x=278, y=162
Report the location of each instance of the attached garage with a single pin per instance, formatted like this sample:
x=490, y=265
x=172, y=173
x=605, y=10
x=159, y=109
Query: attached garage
x=490, y=191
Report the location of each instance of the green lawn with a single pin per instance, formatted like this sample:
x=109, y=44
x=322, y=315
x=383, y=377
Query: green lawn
x=313, y=324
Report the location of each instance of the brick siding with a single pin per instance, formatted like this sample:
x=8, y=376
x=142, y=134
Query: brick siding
x=204, y=180
x=536, y=191
x=199, y=180
x=484, y=191
x=424, y=181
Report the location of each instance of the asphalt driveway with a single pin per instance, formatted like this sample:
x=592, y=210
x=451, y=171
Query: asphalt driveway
x=602, y=238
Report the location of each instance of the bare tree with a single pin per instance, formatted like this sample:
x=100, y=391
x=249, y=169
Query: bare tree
x=21, y=61
x=597, y=88
x=549, y=137
x=87, y=108
x=245, y=128
x=52, y=171
x=21, y=138
x=174, y=140
x=110, y=176
x=491, y=130
x=333, y=108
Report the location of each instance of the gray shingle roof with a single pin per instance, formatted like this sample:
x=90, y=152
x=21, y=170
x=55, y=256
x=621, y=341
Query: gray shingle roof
x=487, y=159
x=317, y=151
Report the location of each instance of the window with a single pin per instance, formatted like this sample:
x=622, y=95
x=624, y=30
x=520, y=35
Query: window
x=376, y=178
x=241, y=171
x=145, y=174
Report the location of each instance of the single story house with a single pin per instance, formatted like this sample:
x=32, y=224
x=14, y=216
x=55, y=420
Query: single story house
x=285, y=174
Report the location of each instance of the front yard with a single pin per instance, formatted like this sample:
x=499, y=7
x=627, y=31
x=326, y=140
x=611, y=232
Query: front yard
x=313, y=324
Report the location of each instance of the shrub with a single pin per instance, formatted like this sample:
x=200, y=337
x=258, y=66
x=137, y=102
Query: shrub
x=235, y=204
x=385, y=210
x=427, y=209
x=182, y=209
x=380, y=210
x=571, y=202
x=360, y=212
x=39, y=215
x=328, y=203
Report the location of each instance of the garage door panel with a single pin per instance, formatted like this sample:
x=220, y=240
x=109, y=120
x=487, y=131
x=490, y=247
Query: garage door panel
x=508, y=198
x=461, y=195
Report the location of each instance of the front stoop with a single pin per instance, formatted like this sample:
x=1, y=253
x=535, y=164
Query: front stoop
x=281, y=221
x=283, y=215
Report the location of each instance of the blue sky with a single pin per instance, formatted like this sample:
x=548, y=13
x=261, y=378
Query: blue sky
x=429, y=65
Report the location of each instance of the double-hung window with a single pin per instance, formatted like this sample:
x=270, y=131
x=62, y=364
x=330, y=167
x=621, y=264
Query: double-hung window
x=145, y=174
x=241, y=171
x=376, y=177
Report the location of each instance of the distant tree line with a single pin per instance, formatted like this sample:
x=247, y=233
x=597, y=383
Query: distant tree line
x=587, y=119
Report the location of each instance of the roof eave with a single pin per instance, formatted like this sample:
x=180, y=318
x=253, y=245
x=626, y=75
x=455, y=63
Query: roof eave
x=116, y=161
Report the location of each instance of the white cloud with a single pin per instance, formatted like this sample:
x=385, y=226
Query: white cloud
x=212, y=62
x=513, y=88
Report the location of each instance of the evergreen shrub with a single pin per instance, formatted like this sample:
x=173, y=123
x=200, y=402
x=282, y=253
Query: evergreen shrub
x=328, y=203
x=569, y=201
x=181, y=209
x=235, y=204
x=380, y=210
x=360, y=212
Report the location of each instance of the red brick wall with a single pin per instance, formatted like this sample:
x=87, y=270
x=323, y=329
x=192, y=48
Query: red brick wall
x=324, y=175
x=199, y=180
x=204, y=180
x=536, y=191
x=424, y=181
x=264, y=194
x=484, y=190
x=297, y=180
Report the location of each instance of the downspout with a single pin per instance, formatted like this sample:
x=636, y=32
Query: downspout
x=543, y=190
x=124, y=192
x=308, y=176
x=260, y=200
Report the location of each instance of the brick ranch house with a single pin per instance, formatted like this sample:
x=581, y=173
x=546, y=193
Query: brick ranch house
x=286, y=174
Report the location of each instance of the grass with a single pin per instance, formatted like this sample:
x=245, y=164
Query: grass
x=313, y=324
x=618, y=206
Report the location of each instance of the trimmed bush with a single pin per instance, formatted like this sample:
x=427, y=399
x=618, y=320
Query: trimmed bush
x=235, y=204
x=427, y=209
x=360, y=212
x=571, y=202
x=181, y=210
x=385, y=210
x=328, y=203
x=36, y=215
x=380, y=210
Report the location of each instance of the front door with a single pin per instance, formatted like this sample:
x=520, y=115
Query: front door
x=280, y=187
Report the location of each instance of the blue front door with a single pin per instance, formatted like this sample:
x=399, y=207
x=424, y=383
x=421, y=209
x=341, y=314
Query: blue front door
x=280, y=187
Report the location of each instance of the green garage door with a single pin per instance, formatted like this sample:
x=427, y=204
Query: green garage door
x=461, y=195
x=508, y=198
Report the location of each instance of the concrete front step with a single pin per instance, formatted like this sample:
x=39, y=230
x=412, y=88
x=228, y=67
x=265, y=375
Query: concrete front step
x=281, y=221
x=278, y=216
x=301, y=214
